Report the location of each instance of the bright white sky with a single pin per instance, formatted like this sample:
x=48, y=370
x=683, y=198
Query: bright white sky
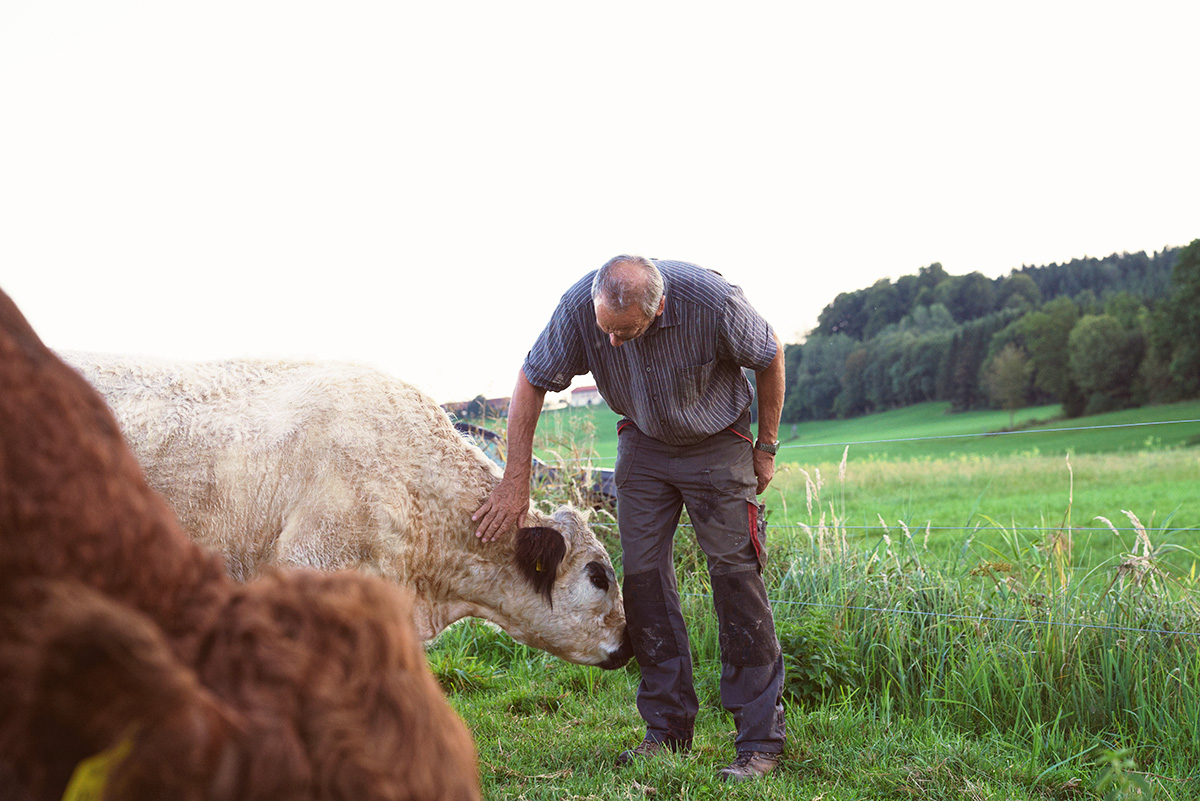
x=414, y=185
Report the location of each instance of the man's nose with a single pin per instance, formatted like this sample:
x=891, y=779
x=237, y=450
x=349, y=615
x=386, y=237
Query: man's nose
x=616, y=343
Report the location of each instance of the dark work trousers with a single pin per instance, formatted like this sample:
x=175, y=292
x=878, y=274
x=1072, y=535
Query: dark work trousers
x=715, y=480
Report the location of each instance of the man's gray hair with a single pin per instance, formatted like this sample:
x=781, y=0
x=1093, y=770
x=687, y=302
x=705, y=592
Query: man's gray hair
x=621, y=289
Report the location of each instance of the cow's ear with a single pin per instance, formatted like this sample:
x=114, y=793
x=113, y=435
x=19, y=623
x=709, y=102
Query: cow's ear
x=540, y=550
x=103, y=670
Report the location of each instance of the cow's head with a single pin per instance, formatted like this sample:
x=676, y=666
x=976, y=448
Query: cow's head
x=571, y=602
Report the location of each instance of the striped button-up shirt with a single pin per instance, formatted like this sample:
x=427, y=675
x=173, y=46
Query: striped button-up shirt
x=681, y=380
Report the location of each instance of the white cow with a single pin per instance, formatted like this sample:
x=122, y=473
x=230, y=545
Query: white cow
x=340, y=466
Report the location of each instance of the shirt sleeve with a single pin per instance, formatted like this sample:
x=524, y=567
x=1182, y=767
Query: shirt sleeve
x=558, y=354
x=745, y=337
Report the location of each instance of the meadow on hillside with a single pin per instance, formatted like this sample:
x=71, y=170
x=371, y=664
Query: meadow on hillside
x=930, y=431
x=922, y=466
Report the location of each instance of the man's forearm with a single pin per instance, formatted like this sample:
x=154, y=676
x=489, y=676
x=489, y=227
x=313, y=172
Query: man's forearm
x=523, y=413
x=771, y=386
x=508, y=503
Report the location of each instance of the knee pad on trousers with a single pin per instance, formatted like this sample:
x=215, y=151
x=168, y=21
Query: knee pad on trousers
x=647, y=619
x=746, y=626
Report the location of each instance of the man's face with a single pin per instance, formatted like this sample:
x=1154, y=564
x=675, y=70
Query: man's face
x=622, y=328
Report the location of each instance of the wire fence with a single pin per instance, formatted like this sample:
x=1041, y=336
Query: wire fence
x=1194, y=635
x=943, y=528
x=987, y=434
x=978, y=435
x=916, y=529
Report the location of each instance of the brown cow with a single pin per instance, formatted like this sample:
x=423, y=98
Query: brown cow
x=117, y=632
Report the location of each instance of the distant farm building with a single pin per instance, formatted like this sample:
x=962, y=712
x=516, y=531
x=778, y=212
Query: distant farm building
x=478, y=408
x=585, y=396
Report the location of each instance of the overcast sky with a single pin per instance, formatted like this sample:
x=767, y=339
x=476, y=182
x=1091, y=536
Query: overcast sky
x=414, y=185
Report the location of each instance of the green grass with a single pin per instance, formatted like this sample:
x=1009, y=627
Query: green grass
x=1018, y=683
x=1016, y=649
x=971, y=505
x=548, y=730
x=551, y=731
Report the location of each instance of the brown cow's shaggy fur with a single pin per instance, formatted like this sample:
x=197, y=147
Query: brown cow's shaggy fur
x=115, y=628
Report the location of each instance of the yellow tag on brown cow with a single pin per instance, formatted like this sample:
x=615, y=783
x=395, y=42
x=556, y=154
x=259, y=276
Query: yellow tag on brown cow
x=90, y=776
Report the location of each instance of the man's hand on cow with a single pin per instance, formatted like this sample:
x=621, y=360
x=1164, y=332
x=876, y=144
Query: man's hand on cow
x=504, y=510
x=764, y=469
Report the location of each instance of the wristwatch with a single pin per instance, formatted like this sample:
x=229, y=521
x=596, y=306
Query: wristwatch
x=767, y=447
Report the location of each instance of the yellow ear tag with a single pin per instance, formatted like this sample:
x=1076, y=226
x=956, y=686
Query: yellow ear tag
x=538, y=566
x=90, y=776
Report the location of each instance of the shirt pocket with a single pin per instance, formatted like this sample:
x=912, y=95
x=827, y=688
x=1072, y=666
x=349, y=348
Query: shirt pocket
x=690, y=382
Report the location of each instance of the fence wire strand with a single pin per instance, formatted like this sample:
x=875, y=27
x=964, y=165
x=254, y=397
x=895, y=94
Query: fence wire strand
x=884, y=528
x=988, y=434
x=606, y=459
x=917, y=528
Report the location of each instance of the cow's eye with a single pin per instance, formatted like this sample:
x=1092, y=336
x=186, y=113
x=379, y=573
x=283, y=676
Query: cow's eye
x=598, y=576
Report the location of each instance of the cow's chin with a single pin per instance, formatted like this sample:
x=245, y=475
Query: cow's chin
x=616, y=661
x=611, y=660
x=620, y=657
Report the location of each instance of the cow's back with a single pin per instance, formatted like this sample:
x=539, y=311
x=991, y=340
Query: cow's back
x=297, y=462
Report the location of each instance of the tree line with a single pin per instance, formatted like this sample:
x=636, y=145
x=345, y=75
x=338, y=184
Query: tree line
x=1092, y=334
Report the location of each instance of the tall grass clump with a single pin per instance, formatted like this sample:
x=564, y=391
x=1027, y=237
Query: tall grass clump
x=1020, y=643
x=568, y=447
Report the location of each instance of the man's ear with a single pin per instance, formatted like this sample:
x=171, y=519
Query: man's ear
x=539, y=552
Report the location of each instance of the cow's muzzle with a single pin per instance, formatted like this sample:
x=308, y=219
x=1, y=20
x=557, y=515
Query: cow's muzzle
x=619, y=657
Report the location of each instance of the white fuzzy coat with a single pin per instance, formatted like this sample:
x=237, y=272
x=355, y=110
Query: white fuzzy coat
x=341, y=466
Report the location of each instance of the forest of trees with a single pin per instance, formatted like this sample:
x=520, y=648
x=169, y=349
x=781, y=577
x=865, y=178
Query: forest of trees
x=1092, y=334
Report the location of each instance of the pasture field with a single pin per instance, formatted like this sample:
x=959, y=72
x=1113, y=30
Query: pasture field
x=994, y=641
x=931, y=431
x=971, y=508
x=963, y=485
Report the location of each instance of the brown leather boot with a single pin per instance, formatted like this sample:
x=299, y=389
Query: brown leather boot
x=749, y=765
x=649, y=749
